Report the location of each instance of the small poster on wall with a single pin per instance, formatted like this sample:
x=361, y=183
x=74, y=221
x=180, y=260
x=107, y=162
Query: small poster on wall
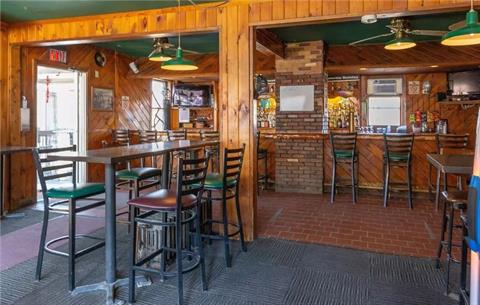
x=414, y=87
x=297, y=98
x=102, y=99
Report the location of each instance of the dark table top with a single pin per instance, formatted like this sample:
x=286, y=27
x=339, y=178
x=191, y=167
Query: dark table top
x=118, y=154
x=14, y=149
x=452, y=163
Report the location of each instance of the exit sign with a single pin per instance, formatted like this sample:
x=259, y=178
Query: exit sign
x=58, y=55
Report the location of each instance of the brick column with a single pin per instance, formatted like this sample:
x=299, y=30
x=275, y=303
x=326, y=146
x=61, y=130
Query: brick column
x=299, y=162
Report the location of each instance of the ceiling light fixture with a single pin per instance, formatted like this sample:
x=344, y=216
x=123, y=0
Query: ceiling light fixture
x=401, y=42
x=179, y=63
x=467, y=35
x=159, y=55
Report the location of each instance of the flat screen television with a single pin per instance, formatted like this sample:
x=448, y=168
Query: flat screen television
x=186, y=95
x=464, y=83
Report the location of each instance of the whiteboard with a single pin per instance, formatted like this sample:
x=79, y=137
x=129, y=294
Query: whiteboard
x=297, y=98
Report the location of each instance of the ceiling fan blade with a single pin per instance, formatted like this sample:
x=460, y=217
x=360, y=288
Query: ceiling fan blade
x=369, y=38
x=190, y=51
x=456, y=25
x=426, y=32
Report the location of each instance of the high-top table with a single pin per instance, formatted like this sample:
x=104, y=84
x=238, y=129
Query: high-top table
x=110, y=157
x=4, y=152
x=454, y=164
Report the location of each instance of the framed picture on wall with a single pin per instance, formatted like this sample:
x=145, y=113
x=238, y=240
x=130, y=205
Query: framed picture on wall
x=102, y=99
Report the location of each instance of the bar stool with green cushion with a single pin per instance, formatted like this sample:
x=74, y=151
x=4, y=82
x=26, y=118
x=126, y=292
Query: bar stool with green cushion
x=398, y=154
x=212, y=150
x=344, y=152
x=227, y=184
x=143, y=177
x=74, y=198
x=451, y=143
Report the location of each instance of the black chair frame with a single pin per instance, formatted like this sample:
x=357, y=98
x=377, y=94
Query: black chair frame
x=232, y=166
x=190, y=180
x=72, y=210
x=344, y=142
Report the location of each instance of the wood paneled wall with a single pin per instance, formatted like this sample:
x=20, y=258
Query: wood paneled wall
x=234, y=20
x=3, y=84
x=99, y=124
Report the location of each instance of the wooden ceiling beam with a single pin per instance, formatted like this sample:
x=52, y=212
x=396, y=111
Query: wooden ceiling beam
x=269, y=44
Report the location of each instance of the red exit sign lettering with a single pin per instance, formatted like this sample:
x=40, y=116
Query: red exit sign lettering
x=58, y=55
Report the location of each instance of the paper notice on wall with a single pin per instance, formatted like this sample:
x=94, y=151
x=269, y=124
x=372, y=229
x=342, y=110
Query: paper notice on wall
x=184, y=115
x=24, y=119
x=297, y=98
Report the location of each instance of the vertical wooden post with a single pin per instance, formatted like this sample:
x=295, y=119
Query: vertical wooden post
x=236, y=127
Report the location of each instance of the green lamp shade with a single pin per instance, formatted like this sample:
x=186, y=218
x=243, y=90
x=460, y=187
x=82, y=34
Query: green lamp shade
x=179, y=63
x=465, y=36
x=159, y=55
x=400, y=43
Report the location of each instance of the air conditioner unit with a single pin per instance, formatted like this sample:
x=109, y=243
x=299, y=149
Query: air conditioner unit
x=384, y=86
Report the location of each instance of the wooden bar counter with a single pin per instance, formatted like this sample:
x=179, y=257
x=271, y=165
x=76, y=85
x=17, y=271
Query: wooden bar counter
x=370, y=149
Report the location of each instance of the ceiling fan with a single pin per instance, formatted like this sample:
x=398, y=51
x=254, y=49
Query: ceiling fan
x=163, y=50
x=400, y=29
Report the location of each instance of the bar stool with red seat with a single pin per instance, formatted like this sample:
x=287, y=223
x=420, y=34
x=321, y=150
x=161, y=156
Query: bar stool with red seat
x=182, y=207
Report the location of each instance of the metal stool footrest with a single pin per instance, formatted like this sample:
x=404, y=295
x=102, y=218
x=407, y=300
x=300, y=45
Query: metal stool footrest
x=216, y=236
x=191, y=257
x=79, y=253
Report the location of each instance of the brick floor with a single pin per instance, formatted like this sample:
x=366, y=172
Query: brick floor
x=366, y=225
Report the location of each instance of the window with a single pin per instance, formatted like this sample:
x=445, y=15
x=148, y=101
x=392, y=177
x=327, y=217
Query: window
x=159, y=105
x=384, y=110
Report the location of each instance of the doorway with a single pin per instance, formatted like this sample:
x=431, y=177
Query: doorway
x=61, y=110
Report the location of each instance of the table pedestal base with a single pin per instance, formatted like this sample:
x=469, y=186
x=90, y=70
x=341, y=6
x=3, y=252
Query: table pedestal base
x=109, y=288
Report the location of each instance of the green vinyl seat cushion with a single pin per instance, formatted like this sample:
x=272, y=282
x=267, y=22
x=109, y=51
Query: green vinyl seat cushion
x=343, y=154
x=215, y=181
x=138, y=173
x=81, y=190
x=398, y=156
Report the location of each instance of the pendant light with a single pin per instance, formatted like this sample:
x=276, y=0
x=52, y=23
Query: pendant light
x=179, y=63
x=466, y=35
x=158, y=53
x=401, y=42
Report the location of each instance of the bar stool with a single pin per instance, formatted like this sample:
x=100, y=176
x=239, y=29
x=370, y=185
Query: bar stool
x=143, y=177
x=70, y=195
x=212, y=150
x=228, y=185
x=398, y=154
x=452, y=201
x=449, y=142
x=344, y=153
x=182, y=207
x=262, y=154
x=175, y=135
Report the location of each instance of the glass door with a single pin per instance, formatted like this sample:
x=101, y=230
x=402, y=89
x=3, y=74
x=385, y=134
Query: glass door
x=61, y=110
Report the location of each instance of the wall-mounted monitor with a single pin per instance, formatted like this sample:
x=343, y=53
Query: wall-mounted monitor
x=464, y=83
x=187, y=95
